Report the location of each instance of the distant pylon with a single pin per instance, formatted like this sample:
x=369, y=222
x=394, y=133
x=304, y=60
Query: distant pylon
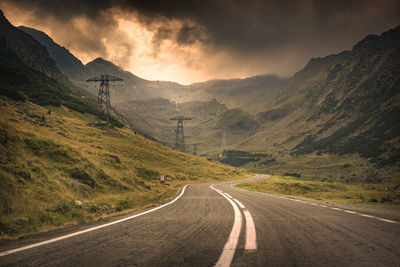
x=195, y=152
x=103, y=98
x=180, y=137
x=195, y=149
x=223, y=145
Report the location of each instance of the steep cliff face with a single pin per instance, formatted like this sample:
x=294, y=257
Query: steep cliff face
x=27, y=49
x=28, y=73
x=71, y=66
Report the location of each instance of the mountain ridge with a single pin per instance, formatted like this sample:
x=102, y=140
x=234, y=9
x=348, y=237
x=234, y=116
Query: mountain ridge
x=262, y=87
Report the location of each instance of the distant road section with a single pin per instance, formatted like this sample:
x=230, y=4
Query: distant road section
x=220, y=225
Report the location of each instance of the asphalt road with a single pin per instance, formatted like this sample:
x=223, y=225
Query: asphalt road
x=226, y=226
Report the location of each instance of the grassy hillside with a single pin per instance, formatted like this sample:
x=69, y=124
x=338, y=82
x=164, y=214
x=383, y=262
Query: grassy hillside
x=291, y=185
x=59, y=169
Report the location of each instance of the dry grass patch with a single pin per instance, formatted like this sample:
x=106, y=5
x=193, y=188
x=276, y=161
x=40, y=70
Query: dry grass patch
x=329, y=191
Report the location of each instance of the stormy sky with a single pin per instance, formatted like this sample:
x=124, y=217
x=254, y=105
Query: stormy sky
x=197, y=40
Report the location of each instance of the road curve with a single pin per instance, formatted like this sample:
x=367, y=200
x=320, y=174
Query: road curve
x=196, y=229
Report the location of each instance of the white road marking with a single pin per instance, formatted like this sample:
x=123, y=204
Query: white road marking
x=310, y=203
x=251, y=238
x=386, y=220
x=349, y=211
x=239, y=203
x=366, y=215
x=228, y=195
x=230, y=246
x=8, y=252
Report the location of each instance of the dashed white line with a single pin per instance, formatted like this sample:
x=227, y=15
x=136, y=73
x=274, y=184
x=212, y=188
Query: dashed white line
x=323, y=206
x=8, y=252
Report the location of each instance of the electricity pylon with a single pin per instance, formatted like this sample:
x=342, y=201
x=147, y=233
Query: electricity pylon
x=103, y=98
x=223, y=145
x=180, y=137
x=195, y=148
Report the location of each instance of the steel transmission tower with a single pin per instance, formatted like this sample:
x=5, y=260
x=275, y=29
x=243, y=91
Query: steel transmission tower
x=195, y=152
x=180, y=137
x=103, y=98
x=223, y=145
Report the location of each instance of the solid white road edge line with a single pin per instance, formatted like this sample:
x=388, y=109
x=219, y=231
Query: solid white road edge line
x=239, y=203
x=251, y=237
x=322, y=206
x=230, y=246
x=8, y=252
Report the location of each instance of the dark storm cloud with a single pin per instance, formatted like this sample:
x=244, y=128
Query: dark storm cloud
x=65, y=10
x=243, y=25
x=188, y=35
x=162, y=33
x=244, y=28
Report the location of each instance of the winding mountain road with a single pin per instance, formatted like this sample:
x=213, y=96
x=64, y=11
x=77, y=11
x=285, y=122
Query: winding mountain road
x=219, y=225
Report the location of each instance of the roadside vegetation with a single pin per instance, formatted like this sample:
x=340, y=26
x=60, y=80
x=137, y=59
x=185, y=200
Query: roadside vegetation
x=293, y=185
x=58, y=169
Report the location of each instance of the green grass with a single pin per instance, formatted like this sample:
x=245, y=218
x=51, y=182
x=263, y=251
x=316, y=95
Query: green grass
x=61, y=171
x=327, y=191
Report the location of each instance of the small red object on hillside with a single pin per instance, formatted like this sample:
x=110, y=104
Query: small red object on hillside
x=162, y=178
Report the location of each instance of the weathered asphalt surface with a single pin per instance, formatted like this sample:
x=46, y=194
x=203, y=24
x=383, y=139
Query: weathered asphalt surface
x=193, y=231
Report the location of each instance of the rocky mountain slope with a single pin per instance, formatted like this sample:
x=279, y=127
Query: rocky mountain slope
x=341, y=104
x=251, y=94
x=71, y=66
x=28, y=72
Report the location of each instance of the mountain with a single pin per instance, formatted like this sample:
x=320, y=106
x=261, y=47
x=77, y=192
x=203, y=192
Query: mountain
x=134, y=87
x=342, y=104
x=237, y=120
x=71, y=66
x=27, y=50
x=249, y=94
x=28, y=72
